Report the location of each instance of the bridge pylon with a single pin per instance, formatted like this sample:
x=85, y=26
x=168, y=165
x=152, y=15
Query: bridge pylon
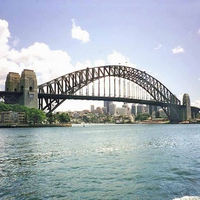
x=186, y=110
x=28, y=85
x=12, y=82
x=21, y=89
x=174, y=113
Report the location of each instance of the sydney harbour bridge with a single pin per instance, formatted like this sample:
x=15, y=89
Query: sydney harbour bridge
x=104, y=83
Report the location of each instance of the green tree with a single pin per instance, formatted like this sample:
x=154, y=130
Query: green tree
x=4, y=107
x=63, y=118
x=35, y=116
x=85, y=119
x=108, y=118
x=13, y=107
x=51, y=117
x=142, y=117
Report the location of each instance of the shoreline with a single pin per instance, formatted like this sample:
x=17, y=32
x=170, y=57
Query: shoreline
x=33, y=125
x=71, y=124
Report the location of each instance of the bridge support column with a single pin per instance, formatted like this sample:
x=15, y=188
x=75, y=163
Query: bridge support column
x=174, y=114
x=195, y=112
x=12, y=82
x=186, y=110
x=28, y=85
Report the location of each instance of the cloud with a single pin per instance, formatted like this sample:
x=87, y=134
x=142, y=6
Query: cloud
x=15, y=41
x=79, y=34
x=196, y=103
x=99, y=62
x=158, y=47
x=47, y=63
x=4, y=36
x=118, y=58
x=177, y=50
x=83, y=65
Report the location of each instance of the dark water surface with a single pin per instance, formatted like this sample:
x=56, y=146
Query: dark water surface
x=101, y=162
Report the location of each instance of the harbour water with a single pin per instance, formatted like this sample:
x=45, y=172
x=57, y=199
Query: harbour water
x=131, y=162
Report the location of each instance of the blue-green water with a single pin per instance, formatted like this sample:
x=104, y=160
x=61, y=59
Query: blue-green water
x=136, y=162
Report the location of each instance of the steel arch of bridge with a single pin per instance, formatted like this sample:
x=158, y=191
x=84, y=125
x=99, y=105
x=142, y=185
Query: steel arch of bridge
x=69, y=84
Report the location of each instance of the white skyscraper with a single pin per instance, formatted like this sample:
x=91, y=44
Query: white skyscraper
x=92, y=108
x=112, y=108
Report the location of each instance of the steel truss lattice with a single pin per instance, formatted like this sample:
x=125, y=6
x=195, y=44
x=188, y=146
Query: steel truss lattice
x=51, y=94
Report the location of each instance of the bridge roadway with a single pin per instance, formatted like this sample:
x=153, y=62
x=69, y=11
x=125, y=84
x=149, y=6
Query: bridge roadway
x=13, y=97
x=5, y=93
x=104, y=98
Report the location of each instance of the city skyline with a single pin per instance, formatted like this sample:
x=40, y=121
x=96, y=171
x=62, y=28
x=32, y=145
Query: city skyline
x=57, y=37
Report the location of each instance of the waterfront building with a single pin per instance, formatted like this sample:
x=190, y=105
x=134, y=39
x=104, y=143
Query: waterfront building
x=10, y=117
x=104, y=110
x=76, y=115
x=128, y=111
x=98, y=110
x=125, y=105
x=121, y=111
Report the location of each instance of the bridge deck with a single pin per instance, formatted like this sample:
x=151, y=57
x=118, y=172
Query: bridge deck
x=4, y=93
x=10, y=97
x=104, y=98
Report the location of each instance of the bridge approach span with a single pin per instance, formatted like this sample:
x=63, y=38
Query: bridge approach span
x=11, y=97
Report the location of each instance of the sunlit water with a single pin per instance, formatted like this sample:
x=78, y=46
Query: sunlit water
x=136, y=162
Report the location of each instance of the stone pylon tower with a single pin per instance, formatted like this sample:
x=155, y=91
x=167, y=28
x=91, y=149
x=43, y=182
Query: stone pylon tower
x=12, y=82
x=187, y=108
x=28, y=85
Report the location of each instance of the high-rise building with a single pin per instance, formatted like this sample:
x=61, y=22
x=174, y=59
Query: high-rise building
x=187, y=111
x=92, y=108
x=139, y=108
x=147, y=109
x=112, y=109
x=152, y=109
x=106, y=105
x=121, y=111
x=133, y=109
